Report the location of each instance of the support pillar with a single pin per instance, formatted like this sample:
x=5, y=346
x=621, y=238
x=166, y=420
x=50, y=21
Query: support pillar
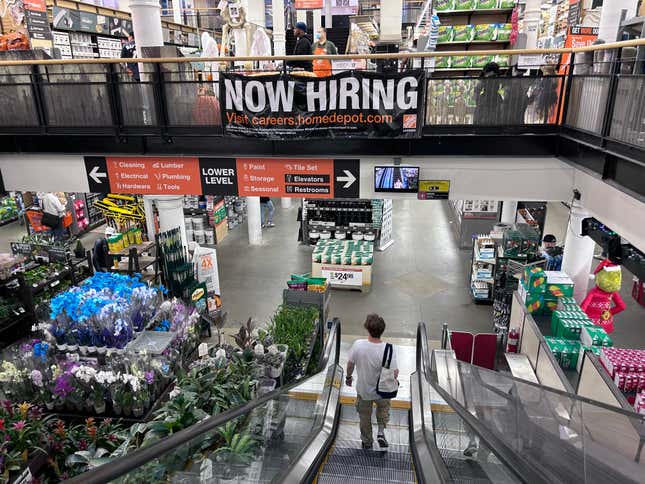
x=610, y=17
x=531, y=22
x=391, y=19
x=327, y=13
x=255, y=13
x=285, y=202
x=578, y=252
x=279, y=29
x=149, y=212
x=146, y=23
x=317, y=21
x=509, y=212
x=254, y=220
x=176, y=12
x=171, y=214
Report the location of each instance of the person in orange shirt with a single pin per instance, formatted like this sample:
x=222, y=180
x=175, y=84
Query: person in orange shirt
x=322, y=46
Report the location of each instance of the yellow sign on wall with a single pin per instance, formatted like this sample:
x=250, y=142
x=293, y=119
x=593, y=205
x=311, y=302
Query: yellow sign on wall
x=434, y=189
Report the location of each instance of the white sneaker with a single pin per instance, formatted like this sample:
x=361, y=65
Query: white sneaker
x=270, y=224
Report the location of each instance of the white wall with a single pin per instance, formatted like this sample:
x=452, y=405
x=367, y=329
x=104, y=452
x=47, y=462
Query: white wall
x=484, y=178
x=623, y=213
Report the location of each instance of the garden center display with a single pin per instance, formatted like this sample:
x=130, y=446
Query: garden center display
x=112, y=348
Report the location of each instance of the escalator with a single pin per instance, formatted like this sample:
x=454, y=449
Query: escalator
x=305, y=432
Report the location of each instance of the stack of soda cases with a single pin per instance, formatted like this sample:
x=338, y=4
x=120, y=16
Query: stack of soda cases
x=626, y=367
x=568, y=324
x=566, y=352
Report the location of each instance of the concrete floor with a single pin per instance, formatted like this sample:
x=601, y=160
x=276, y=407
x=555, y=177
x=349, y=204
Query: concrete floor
x=422, y=277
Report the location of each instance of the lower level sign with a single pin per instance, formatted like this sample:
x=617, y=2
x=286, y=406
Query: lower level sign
x=343, y=276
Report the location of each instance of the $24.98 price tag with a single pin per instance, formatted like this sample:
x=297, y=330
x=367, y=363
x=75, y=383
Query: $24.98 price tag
x=343, y=277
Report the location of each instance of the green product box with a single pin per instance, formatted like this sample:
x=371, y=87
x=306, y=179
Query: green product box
x=463, y=33
x=444, y=5
x=486, y=32
x=464, y=4
x=507, y=3
x=504, y=32
x=558, y=284
x=482, y=60
x=595, y=336
x=550, y=305
x=460, y=62
x=486, y=4
x=534, y=303
x=568, y=300
x=534, y=280
x=504, y=61
x=445, y=34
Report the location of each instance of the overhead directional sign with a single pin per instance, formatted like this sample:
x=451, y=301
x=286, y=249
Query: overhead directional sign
x=271, y=177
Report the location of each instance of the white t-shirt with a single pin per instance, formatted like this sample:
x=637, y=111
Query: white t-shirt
x=368, y=358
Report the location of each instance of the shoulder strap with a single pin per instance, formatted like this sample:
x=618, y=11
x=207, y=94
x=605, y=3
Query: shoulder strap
x=387, y=356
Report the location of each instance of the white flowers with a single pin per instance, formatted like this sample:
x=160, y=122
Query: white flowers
x=106, y=377
x=36, y=378
x=259, y=349
x=133, y=381
x=86, y=374
x=220, y=353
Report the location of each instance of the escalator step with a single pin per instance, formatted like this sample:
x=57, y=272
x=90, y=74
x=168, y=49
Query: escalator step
x=329, y=479
x=370, y=458
x=370, y=472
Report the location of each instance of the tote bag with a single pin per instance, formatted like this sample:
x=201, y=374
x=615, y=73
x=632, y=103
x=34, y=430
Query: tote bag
x=387, y=386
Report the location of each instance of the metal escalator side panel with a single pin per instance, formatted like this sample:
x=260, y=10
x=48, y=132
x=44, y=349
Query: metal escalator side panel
x=307, y=464
x=428, y=464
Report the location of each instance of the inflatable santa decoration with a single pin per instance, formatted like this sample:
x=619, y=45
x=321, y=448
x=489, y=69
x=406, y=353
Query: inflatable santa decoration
x=598, y=303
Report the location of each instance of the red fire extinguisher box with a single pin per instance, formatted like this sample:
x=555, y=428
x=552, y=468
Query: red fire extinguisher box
x=638, y=291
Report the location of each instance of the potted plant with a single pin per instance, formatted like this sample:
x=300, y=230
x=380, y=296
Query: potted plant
x=79, y=250
x=235, y=455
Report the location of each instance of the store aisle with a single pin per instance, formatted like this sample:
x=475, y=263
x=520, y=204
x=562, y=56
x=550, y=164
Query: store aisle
x=422, y=277
x=12, y=232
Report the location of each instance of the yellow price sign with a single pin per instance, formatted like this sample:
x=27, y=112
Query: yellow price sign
x=434, y=189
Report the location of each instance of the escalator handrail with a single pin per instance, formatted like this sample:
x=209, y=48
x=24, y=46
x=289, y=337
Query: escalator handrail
x=141, y=456
x=511, y=459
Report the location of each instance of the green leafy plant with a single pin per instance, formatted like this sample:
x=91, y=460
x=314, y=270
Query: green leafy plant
x=244, y=337
x=294, y=326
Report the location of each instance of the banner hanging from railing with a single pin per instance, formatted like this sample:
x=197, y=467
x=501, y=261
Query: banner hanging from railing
x=349, y=104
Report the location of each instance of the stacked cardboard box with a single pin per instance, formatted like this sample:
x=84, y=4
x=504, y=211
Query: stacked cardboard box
x=542, y=290
x=566, y=351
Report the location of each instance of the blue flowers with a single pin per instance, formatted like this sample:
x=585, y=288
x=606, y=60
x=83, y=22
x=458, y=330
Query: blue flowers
x=105, y=310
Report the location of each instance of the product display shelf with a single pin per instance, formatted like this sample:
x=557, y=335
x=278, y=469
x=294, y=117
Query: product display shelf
x=318, y=269
x=8, y=221
x=482, y=269
x=475, y=42
x=141, y=248
x=321, y=300
x=471, y=12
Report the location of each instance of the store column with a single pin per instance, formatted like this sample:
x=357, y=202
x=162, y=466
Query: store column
x=146, y=23
x=610, y=17
x=279, y=29
x=255, y=12
x=532, y=16
x=391, y=18
x=254, y=220
x=317, y=21
x=171, y=214
x=578, y=252
x=148, y=210
x=509, y=212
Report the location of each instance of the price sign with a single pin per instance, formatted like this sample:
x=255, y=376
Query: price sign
x=343, y=277
x=21, y=248
x=57, y=255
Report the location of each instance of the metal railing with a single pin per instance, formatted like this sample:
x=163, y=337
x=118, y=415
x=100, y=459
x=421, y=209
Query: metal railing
x=177, y=96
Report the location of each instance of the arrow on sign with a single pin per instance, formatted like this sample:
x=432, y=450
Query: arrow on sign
x=96, y=175
x=349, y=179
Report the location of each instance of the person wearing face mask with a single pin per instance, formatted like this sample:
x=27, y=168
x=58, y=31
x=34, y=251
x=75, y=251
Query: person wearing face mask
x=322, y=46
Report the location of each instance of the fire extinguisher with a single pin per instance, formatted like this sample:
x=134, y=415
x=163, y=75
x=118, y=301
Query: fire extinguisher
x=513, y=340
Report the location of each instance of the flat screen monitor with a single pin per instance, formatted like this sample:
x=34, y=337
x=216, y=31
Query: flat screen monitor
x=404, y=179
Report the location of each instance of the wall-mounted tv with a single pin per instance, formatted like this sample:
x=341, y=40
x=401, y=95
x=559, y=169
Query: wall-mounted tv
x=399, y=179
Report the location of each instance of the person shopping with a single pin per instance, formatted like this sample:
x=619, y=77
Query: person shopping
x=367, y=357
x=53, y=213
x=266, y=205
x=101, y=258
x=322, y=46
x=302, y=47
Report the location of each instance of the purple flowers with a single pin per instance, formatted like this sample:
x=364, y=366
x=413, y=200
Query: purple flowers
x=150, y=377
x=63, y=386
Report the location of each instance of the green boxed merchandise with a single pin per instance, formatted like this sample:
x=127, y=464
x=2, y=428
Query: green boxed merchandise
x=507, y=3
x=504, y=61
x=482, y=60
x=534, y=302
x=486, y=32
x=463, y=33
x=568, y=300
x=565, y=352
x=504, y=32
x=486, y=4
x=460, y=62
x=595, y=336
x=534, y=279
x=560, y=315
x=594, y=349
x=464, y=4
x=558, y=284
x=550, y=305
x=442, y=63
x=443, y=5
x=444, y=34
